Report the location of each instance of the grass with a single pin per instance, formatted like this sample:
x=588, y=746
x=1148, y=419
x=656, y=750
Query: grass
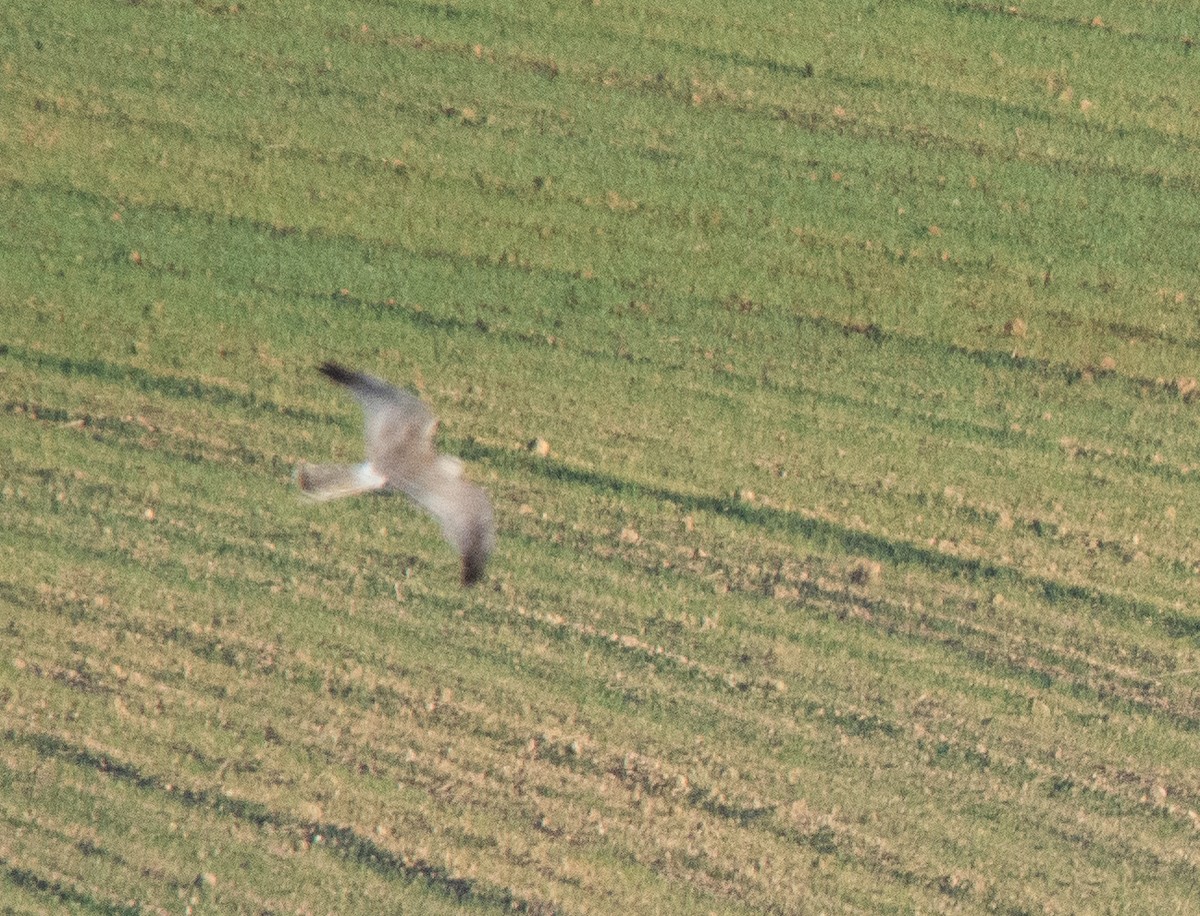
x=861, y=575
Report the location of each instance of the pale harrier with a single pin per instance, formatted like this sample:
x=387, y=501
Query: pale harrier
x=400, y=456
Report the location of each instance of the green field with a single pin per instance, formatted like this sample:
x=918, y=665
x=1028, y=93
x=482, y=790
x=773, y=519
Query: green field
x=863, y=574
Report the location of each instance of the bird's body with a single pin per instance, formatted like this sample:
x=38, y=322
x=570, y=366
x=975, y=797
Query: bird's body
x=400, y=455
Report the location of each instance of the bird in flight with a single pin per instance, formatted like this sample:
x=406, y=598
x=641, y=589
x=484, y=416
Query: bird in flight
x=400, y=455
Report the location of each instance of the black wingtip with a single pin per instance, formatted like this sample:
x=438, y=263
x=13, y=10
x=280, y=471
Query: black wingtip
x=472, y=569
x=337, y=372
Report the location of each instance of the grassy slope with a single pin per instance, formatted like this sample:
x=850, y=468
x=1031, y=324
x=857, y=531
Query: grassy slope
x=832, y=594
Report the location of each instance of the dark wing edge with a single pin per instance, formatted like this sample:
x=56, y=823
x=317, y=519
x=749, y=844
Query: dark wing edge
x=338, y=372
x=384, y=405
x=472, y=531
x=465, y=514
x=473, y=564
x=360, y=383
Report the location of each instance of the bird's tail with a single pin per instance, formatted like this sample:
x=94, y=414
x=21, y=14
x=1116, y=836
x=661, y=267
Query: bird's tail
x=330, y=481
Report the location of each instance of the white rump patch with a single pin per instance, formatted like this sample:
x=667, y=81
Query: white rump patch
x=369, y=478
x=332, y=481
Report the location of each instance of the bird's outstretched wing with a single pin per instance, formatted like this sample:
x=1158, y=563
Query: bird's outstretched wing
x=462, y=509
x=400, y=455
x=398, y=427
